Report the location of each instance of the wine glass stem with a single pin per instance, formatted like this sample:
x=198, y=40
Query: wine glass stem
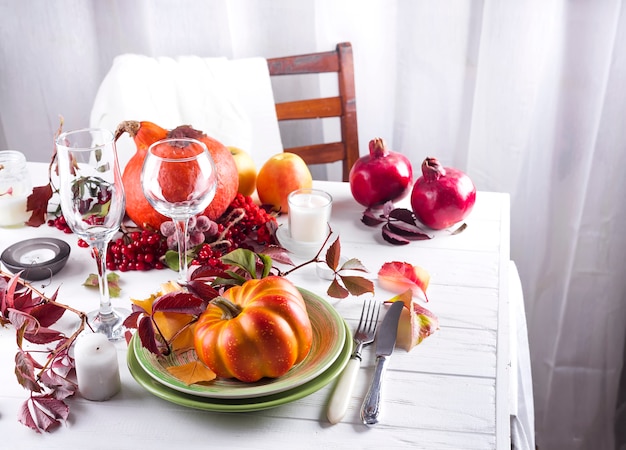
x=181, y=237
x=98, y=249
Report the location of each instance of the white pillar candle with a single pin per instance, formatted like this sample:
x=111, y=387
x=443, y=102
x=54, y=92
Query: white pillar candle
x=309, y=214
x=97, y=370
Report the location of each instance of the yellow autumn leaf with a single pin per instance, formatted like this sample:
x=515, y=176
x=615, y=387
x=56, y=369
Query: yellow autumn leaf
x=169, y=324
x=192, y=372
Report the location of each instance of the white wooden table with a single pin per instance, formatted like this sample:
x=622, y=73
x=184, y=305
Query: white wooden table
x=450, y=392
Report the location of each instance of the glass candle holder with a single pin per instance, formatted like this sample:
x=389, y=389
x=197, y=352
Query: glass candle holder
x=15, y=187
x=309, y=214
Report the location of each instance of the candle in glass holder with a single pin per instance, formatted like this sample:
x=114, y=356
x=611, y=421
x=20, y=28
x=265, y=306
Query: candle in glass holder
x=309, y=214
x=15, y=187
x=97, y=370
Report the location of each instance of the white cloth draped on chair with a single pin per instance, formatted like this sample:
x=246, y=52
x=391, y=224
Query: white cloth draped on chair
x=229, y=100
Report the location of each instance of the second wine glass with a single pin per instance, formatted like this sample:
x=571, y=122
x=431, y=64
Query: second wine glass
x=93, y=204
x=179, y=180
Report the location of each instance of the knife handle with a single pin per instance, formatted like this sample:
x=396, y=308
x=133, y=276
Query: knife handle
x=343, y=391
x=370, y=409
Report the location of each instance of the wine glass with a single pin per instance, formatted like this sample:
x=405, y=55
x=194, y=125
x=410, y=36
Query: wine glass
x=93, y=204
x=179, y=179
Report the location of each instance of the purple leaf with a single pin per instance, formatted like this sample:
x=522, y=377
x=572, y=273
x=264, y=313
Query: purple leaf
x=402, y=214
x=407, y=230
x=372, y=218
x=392, y=237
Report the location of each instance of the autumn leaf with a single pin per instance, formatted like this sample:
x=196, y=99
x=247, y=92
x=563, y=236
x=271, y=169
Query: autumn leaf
x=333, y=255
x=416, y=322
x=192, y=372
x=336, y=290
x=113, y=280
x=398, y=276
x=37, y=202
x=357, y=285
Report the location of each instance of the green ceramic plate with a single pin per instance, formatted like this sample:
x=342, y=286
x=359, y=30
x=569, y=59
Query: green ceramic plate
x=329, y=337
x=240, y=404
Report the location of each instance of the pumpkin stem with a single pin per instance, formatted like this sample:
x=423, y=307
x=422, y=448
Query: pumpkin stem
x=128, y=126
x=229, y=309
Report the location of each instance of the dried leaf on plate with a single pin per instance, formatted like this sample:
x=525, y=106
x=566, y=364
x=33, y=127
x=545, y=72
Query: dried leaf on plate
x=192, y=372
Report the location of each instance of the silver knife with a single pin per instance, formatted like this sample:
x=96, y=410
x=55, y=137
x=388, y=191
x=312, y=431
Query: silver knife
x=385, y=343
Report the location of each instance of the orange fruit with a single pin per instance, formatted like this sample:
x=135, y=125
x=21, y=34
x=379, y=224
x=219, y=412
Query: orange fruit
x=281, y=174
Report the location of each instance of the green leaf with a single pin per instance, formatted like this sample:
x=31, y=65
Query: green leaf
x=353, y=264
x=242, y=257
x=171, y=260
x=357, y=285
x=333, y=255
x=236, y=277
x=267, y=264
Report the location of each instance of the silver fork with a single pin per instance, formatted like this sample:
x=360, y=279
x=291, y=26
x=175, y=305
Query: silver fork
x=364, y=335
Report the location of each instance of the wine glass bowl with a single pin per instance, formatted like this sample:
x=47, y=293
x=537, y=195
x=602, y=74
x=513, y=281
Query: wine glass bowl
x=179, y=180
x=93, y=204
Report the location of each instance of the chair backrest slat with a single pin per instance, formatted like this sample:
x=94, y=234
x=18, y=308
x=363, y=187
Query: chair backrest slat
x=344, y=106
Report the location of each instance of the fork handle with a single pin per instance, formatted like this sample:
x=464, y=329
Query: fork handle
x=343, y=391
x=370, y=410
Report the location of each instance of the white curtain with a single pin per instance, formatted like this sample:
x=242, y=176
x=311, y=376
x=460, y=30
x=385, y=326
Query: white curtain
x=527, y=96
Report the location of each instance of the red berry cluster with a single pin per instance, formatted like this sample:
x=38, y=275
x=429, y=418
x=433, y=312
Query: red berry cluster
x=254, y=224
x=138, y=250
x=60, y=224
x=209, y=256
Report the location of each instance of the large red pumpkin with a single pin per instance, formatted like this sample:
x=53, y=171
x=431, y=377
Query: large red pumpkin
x=145, y=134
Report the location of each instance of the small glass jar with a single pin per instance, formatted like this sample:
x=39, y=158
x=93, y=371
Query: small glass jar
x=15, y=187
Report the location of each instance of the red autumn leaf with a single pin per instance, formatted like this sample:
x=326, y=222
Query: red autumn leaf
x=278, y=254
x=357, y=285
x=43, y=336
x=333, y=255
x=147, y=335
x=133, y=317
x=335, y=290
x=179, y=302
x=47, y=412
x=47, y=313
x=37, y=202
x=25, y=371
x=398, y=276
x=202, y=289
x=60, y=386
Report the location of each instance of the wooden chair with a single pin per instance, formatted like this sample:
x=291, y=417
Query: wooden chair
x=344, y=106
